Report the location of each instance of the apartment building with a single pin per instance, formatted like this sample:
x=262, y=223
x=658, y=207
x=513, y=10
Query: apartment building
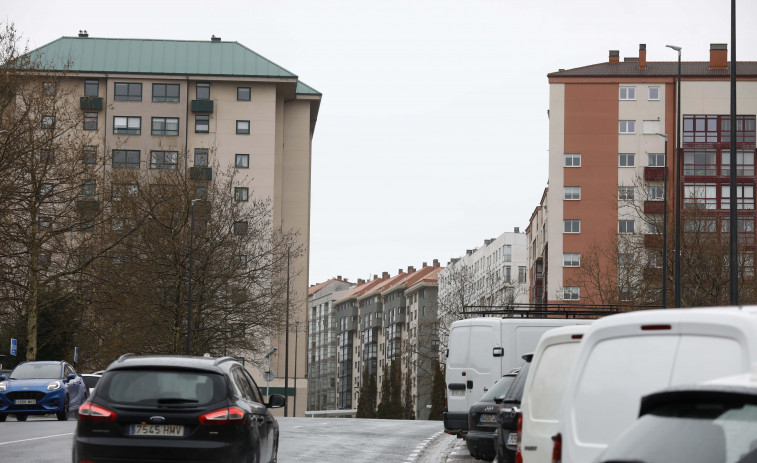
x=323, y=341
x=612, y=140
x=203, y=105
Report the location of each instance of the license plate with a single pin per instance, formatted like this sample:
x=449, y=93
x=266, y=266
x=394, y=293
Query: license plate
x=488, y=418
x=512, y=439
x=457, y=392
x=157, y=430
x=25, y=402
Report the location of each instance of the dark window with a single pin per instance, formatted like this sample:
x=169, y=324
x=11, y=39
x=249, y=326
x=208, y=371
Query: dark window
x=88, y=188
x=243, y=127
x=164, y=159
x=203, y=91
x=127, y=125
x=241, y=194
x=49, y=88
x=125, y=91
x=242, y=161
x=243, y=93
x=90, y=121
x=165, y=126
x=165, y=93
x=240, y=228
x=201, y=190
x=156, y=387
x=91, y=87
x=89, y=155
x=128, y=159
x=48, y=122
x=201, y=157
x=46, y=156
x=202, y=124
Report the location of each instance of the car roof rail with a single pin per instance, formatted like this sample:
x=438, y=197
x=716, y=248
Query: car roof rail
x=125, y=356
x=224, y=359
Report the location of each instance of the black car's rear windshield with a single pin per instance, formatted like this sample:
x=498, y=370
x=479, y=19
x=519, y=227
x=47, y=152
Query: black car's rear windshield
x=161, y=387
x=36, y=371
x=515, y=393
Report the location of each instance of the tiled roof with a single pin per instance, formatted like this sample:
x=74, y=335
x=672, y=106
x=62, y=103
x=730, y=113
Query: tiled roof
x=657, y=69
x=359, y=290
x=319, y=286
x=431, y=277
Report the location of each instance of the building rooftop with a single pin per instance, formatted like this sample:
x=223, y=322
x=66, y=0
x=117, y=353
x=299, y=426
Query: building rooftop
x=657, y=69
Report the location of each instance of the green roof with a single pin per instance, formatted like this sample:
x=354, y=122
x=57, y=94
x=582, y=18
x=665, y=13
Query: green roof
x=304, y=89
x=147, y=56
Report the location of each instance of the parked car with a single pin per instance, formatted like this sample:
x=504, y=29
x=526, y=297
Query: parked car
x=41, y=388
x=710, y=422
x=624, y=357
x=160, y=408
x=482, y=418
x=91, y=379
x=543, y=392
x=508, y=415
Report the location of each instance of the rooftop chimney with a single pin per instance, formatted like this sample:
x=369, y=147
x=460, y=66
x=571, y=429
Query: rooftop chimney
x=614, y=56
x=410, y=269
x=425, y=264
x=384, y=275
x=339, y=277
x=360, y=281
x=516, y=230
x=718, y=56
x=83, y=34
x=215, y=39
x=643, y=56
x=400, y=270
x=436, y=263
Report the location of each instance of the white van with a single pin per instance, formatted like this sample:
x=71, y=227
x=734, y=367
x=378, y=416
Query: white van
x=543, y=392
x=626, y=356
x=480, y=351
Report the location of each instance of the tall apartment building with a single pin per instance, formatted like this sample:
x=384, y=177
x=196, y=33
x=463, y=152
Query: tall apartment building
x=495, y=274
x=171, y=104
x=322, y=342
x=608, y=158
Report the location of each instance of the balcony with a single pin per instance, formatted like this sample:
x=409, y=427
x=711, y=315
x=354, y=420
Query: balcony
x=397, y=318
x=654, y=173
x=87, y=205
x=202, y=106
x=652, y=240
x=654, y=207
x=91, y=102
x=201, y=173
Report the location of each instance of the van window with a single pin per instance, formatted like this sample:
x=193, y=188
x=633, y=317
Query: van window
x=482, y=341
x=549, y=379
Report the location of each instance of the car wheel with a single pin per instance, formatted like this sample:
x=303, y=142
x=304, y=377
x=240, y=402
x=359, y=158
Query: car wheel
x=21, y=417
x=2, y=418
x=63, y=414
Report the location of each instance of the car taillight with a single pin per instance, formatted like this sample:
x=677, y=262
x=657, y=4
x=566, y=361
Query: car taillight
x=228, y=415
x=93, y=412
x=557, y=448
x=518, y=455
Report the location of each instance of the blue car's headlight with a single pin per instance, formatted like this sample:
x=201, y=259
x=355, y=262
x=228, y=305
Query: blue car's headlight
x=54, y=386
x=3, y=386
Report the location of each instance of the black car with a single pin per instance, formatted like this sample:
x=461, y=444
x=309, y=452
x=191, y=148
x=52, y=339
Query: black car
x=172, y=408
x=508, y=414
x=482, y=418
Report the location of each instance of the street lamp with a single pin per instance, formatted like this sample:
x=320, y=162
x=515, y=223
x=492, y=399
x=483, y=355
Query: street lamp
x=677, y=269
x=286, y=347
x=269, y=373
x=665, y=227
x=296, y=331
x=189, y=285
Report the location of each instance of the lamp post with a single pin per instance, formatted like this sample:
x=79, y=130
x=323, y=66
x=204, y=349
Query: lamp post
x=286, y=340
x=677, y=268
x=189, y=285
x=296, y=331
x=733, y=213
x=665, y=227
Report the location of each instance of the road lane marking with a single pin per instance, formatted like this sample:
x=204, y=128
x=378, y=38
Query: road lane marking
x=36, y=438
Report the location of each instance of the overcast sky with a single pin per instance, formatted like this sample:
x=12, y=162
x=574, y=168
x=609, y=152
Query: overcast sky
x=433, y=133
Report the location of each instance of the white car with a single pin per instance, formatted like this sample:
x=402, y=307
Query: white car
x=91, y=379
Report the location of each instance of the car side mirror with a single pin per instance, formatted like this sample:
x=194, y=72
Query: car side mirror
x=276, y=401
x=71, y=376
x=3, y=378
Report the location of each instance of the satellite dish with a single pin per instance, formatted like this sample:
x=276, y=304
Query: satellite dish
x=269, y=375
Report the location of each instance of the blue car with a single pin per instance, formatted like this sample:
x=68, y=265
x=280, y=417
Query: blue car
x=41, y=388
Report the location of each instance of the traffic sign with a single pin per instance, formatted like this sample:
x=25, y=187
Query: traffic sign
x=76, y=354
x=269, y=375
x=14, y=346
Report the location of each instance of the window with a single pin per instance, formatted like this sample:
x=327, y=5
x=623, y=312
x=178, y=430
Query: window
x=702, y=195
x=49, y=88
x=48, y=122
x=654, y=93
x=45, y=221
x=625, y=193
x=521, y=274
x=45, y=190
x=91, y=87
x=128, y=159
x=626, y=159
x=625, y=259
x=243, y=93
x=572, y=192
x=242, y=161
x=651, y=127
x=165, y=93
x=572, y=226
x=89, y=154
x=201, y=157
x=508, y=253
x=625, y=226
x=165, y=126
x=120, y=191
x=700, y=225
x=744, y=196
x=656, y=159
x=46, y=156
x=746, y=225
x=627, y=93
x=700, y=162
x=124, y=91
x=88, y=187
x=240, y=228
x=202, y=124
x=201, y=190
x=165, y=160
x=243, y=127
x=203, y=91
x=241, y=194
x=744, y=162
x=127, y=125
x=627, y=126
x=572, y=160
x=571, y=293
x=656, y=193
x=90, y=121
x=571, y=259
x=241, y=261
